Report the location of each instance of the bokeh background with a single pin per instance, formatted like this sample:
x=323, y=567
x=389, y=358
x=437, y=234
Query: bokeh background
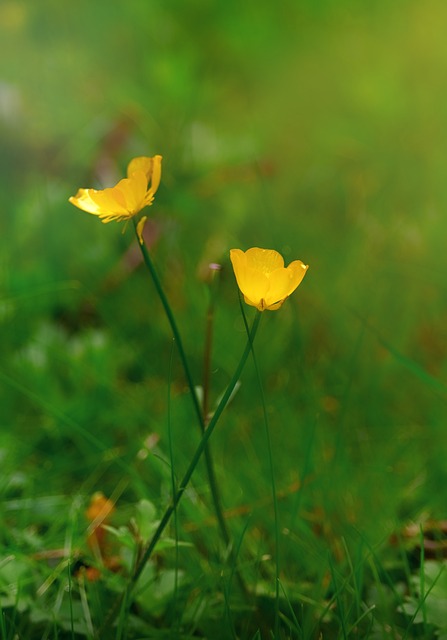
x=315, y=128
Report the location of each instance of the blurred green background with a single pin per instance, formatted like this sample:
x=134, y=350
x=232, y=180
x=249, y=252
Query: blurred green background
x=318, y=129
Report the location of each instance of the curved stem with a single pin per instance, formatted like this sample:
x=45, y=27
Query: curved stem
x=198, y=409
x=171, y=319
x=171, y=458
x=272, y=472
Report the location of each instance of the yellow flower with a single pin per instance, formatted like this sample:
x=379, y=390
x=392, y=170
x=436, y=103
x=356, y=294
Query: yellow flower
x=128, y=197
x=263, y=279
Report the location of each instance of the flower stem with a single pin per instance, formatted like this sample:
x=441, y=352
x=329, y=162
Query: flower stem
x=272, y=472
x=171, y=458
x=215, y=495
x=171, y=319
x=185, y=481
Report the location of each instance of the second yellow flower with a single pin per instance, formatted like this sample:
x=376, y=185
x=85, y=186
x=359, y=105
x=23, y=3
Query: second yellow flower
x=263, y=279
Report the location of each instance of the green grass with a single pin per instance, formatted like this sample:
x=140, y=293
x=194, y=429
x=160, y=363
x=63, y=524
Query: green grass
x=316, y=129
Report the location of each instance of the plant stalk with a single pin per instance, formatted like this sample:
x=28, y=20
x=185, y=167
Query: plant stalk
x=215, y=494
x=272, y=472
x=206, y=384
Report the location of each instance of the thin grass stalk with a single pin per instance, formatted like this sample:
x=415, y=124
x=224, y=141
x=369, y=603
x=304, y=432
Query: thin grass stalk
x=356, y=588
x=86, y=609
x=214, y=487
x=171, y=457
x=227, y=586
x=298, y=628
x=206, y=383
x=422, y=600
x=207, y=354
x=3, y=625
x=337, y=598
x=422, y=576
x=70, y=598
x=70, y=584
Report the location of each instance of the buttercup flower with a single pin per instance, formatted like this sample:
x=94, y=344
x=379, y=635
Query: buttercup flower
x=128, y=197
x=263, y=279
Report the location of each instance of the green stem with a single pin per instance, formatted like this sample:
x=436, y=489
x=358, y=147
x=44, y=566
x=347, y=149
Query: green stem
x=198, y=409
x=171, y=456
x=171, y=319
x=186, y=478
x=272, y=473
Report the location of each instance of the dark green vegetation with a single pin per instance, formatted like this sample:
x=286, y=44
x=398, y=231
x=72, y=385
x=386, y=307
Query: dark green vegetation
x=318, y=129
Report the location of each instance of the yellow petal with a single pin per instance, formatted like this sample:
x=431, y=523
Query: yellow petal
x=108, y=201
x=83, y=201
x=252, y=283
x=255, y=287
x=140, y=228
x=239, y=262
x=132, y=191
x=266, y=260
x=259, y=305
x=298, y=270
x=142, y=163
x=156, y=173
x=274, y=307
x=151, y=168
x=283, y=282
